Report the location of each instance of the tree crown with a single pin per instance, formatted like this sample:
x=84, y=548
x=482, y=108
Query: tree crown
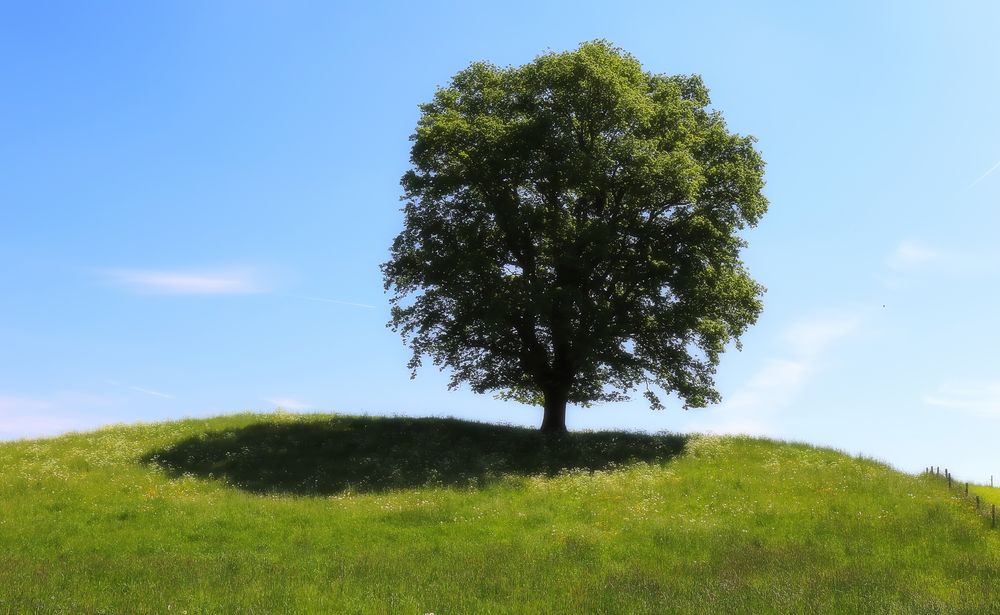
x=572, y=225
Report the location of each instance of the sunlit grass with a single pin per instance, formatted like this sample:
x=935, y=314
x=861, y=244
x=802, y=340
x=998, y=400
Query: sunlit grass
x=990, y=494
x=242, y=514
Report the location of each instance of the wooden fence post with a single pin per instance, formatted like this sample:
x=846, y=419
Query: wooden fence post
x=977, y=502
x=993, y=515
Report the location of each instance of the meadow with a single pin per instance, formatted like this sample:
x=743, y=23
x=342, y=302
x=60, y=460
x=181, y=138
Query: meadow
x=266, y=513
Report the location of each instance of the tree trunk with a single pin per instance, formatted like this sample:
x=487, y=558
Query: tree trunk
x=554, y=417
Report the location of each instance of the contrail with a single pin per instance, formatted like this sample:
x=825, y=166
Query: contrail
x=115, y=383
x=323, y=300
x=986, y=174
x=152, y=392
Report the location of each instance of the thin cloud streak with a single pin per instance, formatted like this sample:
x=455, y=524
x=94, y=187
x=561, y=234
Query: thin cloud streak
x=152, y=392
x=240, y=281
x=912, y=260
x=986, y=174
x=140, y=389
x=977, y=398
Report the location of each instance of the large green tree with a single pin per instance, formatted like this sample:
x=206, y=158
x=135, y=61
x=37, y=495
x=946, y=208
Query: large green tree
x=571, y=233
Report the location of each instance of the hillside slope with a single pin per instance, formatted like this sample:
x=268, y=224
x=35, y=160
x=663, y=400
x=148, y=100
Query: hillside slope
x=285, y=513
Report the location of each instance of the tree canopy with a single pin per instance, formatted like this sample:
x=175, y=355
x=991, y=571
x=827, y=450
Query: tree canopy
x=572, y=233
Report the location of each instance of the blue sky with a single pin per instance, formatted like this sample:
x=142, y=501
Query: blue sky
x=196, y=198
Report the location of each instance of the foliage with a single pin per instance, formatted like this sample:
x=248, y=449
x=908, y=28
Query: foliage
x=571, y=231
x=728, y=525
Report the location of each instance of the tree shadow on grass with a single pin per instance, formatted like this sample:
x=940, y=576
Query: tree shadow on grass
x=330, y=455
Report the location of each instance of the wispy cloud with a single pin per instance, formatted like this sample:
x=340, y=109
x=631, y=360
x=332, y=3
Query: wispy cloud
x=978, y=398
x=986, y=174
x=288, y=403
x=809, y=338
x=233, y=281
x=911, y=259
x=772, y=385
x=911, y=254
x=752, y=407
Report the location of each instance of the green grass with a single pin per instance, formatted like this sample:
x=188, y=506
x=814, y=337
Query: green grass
x=285, y=513
x=989, y=494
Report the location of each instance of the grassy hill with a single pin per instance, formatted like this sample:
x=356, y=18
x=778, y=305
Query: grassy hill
x=285, y=513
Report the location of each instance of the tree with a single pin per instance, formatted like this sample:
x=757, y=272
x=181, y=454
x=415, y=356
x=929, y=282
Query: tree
x=571, y=233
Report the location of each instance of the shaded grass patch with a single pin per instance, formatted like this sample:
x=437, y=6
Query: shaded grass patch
x=338, y=454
